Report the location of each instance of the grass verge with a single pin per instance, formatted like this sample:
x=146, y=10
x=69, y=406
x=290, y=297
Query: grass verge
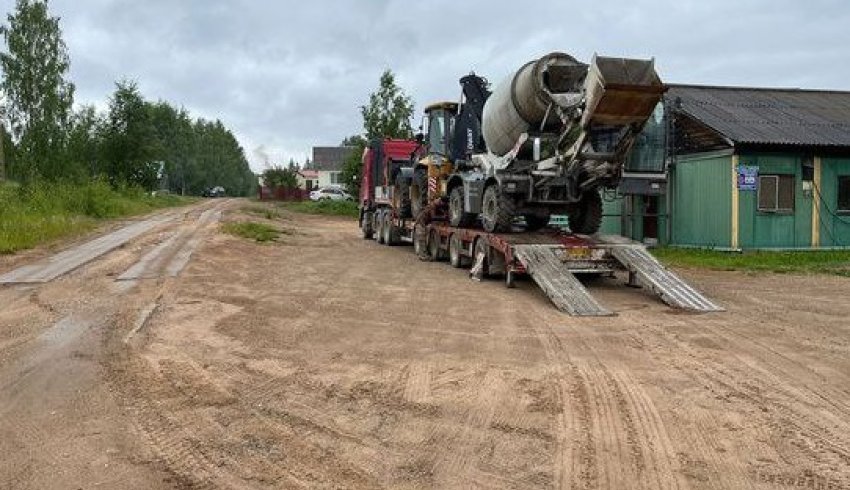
x=831, y=262
x=263, y=212
x=253, y=231
x=328, y=208
x=39, y=213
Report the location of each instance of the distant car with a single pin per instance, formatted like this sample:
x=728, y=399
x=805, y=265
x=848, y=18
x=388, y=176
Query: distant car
x=330, y=194
x=217, y=191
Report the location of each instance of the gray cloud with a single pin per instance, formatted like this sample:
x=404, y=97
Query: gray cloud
x=289, y=75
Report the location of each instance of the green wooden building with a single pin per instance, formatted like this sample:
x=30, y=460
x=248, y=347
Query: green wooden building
x=739, y=168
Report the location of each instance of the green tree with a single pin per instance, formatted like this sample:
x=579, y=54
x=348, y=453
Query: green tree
x=280, y=177
x=353, y=163
x=131, y=149
x=388, y=113
x=85, y=142
x=38, y=97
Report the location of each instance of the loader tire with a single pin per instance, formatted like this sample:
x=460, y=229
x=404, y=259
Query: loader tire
x=458, y=216
x=586, y=218
x=419, y=191
x=403, y=204
x=497, y=211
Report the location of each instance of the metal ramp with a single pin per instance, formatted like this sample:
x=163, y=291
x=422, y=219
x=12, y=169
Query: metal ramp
x=544, y=265
x=668, y=286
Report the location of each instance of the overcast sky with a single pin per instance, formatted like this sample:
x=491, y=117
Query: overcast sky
x=288, y=75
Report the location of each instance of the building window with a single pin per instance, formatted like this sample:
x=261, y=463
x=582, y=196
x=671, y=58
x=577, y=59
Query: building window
x=336, y=178
x=844, y=194
x=776, y=193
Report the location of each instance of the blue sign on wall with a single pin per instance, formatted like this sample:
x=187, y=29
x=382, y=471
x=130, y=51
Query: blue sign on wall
x=748, y=177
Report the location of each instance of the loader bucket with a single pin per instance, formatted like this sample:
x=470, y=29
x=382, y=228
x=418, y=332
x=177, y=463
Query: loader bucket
x=621, y=91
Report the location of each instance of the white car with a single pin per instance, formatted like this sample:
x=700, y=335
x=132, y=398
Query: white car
x=330, y=194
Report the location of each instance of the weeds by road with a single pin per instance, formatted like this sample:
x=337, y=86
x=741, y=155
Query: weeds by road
x=253, y=231
x=38, y=213
x=804, y=262
x=328, y=208
x=263, y=212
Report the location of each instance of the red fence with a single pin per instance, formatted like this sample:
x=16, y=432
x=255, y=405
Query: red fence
x=282, y=194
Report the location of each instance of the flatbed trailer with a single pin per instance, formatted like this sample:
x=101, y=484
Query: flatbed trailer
x=551, y=257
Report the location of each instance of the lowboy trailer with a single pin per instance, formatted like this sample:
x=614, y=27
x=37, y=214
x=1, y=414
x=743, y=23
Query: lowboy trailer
x=552, y=257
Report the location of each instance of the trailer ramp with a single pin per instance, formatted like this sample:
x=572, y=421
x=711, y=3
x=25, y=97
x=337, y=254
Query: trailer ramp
x=544, y=265
x=665, y=284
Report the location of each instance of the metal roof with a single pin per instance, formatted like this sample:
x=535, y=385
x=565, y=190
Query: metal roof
x=767, y=116
x=330, y=158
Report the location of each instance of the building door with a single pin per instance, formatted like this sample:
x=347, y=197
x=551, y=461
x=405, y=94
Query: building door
x=650, y=217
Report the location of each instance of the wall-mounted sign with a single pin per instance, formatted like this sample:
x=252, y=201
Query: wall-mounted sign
x=748, y=177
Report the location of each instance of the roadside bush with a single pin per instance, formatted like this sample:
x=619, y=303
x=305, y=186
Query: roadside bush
x=42, y=212
x=329, y=208
x=253, y=231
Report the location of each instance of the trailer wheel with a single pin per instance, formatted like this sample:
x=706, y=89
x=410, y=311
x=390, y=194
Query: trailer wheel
x=366, y=222
x=419, y=191
x=456, y=258
x=420, y=242
x=586, y=217
x=498, y=210
x=534, y=222
x=434, y=250
x=457, y=214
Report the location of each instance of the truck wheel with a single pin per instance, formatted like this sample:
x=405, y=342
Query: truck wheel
x=402, y=197
x=534, y=222
x=379, y=226
x=586, y=217
x=420, y=242
x=376, y=224
x=434, y=250
x=391, y=234
x=419, y=191
x=457, y=214
x=498, y=210
x=456, y=258
x=366, y=226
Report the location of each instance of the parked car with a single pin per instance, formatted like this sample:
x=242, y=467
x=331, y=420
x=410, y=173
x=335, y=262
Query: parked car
x=330, y=194
x=217, y=191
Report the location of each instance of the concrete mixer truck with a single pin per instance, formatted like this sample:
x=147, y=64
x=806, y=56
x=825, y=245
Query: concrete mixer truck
x=544, y=142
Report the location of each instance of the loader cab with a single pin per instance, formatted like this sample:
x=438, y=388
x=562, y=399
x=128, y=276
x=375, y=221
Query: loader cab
x=438, y=127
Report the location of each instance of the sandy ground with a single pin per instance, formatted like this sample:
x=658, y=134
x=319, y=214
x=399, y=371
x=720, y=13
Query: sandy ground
x=325, y=361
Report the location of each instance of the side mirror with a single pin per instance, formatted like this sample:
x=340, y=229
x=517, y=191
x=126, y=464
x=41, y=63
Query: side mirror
x=420, y=138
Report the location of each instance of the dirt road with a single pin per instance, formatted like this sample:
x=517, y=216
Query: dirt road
x=324, y=361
